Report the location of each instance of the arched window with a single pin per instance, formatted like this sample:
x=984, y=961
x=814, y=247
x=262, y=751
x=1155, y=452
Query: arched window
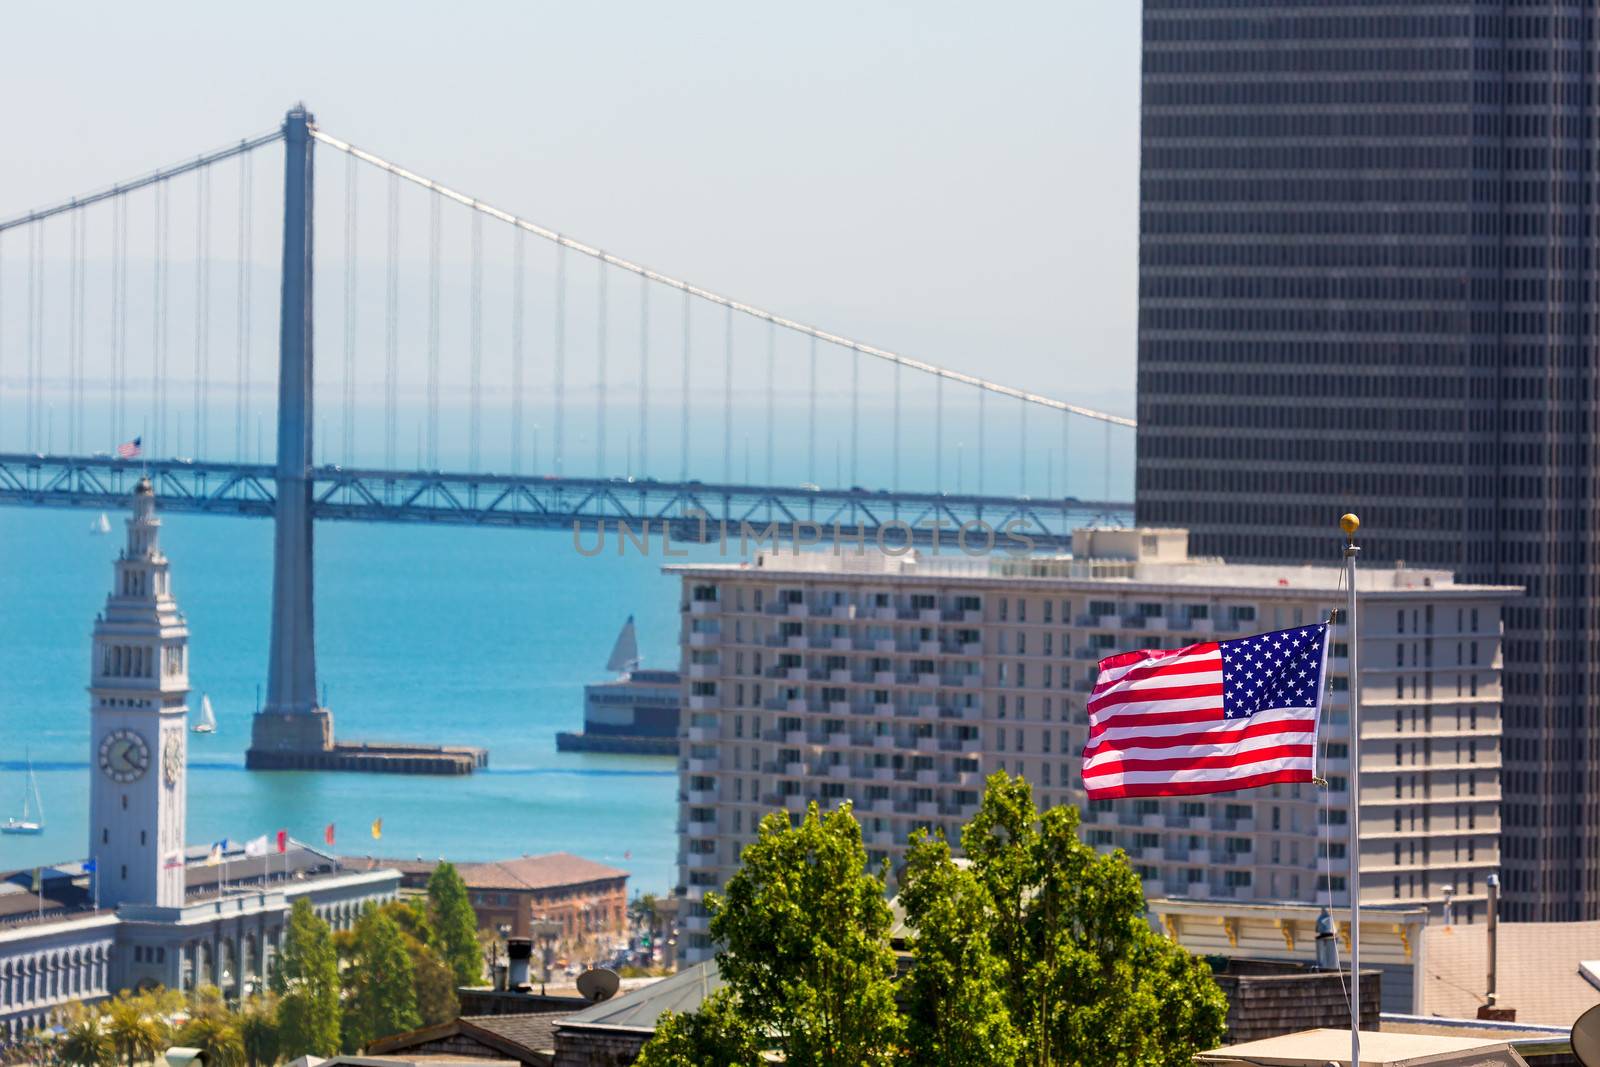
x=116, y=660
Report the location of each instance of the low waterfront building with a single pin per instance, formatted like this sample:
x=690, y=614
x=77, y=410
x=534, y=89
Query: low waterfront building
x=570, y=896
x=145, y=908
x=900, y=682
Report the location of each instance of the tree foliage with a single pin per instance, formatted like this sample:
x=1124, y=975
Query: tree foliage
x=382, y=993
x=718, y=1035
x=307, y=983
x=85, y=1043
x=455, y=924
x=806, y=952
x=1033, y=950
x=1086, y=980
x=217, y=1037
x=258, y=1030
x=954, y=998
x=136, y=1030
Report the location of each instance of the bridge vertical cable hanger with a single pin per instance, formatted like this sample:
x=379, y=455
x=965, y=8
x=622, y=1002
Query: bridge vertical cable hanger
x=517, y=267
x=600, y=372
x=559, y=429
x=202, y=304
x=119, y=315
x=1022, y=449
x=241, y=400
x=811, y=431
x=980, y=442
x=350, y=309
x=855, y=414
x=433, y=332
x=894, y=474
x=683, y=469
x=938, y=435
x=772, y=370
x=727, y=397
x=391, y=332
x=159, y=319
x=644, y=376
x=475, y=369
x=74, y=323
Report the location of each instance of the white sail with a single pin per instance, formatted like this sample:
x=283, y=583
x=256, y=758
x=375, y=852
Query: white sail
x=32, y=820
x=208, y=717
x=102, y=525
x=625, y=653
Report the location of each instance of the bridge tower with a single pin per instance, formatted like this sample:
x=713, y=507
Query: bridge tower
x=292, y=722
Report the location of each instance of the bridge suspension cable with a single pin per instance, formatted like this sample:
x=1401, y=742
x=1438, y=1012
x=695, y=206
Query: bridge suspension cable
x=713, y=297
x=123, y=188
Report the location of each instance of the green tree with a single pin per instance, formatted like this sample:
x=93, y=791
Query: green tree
x=954, y=998
x=136, y=1032
x=806, y=933
x=1087, y=981
x=717, y=1035
x=436, y=987
x=383, y=995
x=455, y=924
x=258, y=1030
x=85, y=1043
x=307, y=983
x=217, y=1038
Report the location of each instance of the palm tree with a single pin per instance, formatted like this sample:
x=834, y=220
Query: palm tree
x=137, y=1036
x=85, y=1043
x=217, y=1038
x=258, y=1031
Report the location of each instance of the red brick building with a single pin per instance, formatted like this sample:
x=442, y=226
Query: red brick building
x=581, y=896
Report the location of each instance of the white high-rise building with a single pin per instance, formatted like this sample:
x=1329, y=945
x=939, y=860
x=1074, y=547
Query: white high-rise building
x=900, y=684
x=138, y=689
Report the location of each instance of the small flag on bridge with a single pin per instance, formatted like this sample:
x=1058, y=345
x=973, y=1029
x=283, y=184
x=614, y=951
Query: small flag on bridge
x=130, y=449
x=1209, y=718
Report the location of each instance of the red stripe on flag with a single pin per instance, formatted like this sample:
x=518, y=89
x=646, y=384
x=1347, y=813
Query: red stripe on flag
x=1210, y=785
x=1209, y=737
x=1155, y=718
x=1155, y=693
x=1199, y=763
x=1163, y=670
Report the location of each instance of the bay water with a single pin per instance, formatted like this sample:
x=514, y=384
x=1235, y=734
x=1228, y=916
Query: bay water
x=428, y=634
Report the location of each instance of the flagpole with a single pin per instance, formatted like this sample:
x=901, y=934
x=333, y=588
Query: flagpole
x=1350, y=524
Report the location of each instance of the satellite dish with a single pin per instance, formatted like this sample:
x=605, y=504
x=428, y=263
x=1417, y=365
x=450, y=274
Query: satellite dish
x=600, y=984
x=1586, y=1037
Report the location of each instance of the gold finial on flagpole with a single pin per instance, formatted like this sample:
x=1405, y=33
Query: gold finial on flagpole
x=1350, y=522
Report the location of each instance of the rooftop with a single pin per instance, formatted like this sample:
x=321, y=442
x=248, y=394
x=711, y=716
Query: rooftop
x=1315, y=1048
x=1541, y=970
x=639, y=1010
x=537, y=872
x=67, y=891
x=1130, y=556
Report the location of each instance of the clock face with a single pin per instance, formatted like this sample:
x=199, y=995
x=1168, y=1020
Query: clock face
x=172, y=757
x=124, y=756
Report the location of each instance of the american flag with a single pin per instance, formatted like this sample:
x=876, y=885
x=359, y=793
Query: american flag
x=129, y=449
x=1208, y=718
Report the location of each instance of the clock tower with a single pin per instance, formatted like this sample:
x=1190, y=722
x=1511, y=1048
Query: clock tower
x=138, y=685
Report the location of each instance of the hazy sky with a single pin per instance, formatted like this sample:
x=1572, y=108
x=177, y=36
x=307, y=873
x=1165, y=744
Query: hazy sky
x=955, y=181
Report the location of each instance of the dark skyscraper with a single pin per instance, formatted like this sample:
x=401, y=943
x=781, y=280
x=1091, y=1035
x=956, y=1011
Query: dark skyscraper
x=1367, y=282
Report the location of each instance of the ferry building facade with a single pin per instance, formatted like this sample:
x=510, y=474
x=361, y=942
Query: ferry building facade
x=145, y=908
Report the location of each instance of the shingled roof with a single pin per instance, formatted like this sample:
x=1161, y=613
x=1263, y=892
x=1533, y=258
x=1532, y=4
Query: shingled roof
x=538, y=872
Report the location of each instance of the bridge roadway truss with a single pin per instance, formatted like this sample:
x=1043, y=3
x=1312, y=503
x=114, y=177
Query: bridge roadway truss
x=693, y=511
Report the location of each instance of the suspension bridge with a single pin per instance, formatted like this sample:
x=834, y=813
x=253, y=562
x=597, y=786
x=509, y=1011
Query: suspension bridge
x=134, y=314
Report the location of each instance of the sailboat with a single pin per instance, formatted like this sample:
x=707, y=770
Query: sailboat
x=208, y=718
x=102, y=525
x=625, y=653
x=32, y=821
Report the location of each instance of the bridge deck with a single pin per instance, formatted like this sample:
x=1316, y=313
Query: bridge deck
x=690, y=511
